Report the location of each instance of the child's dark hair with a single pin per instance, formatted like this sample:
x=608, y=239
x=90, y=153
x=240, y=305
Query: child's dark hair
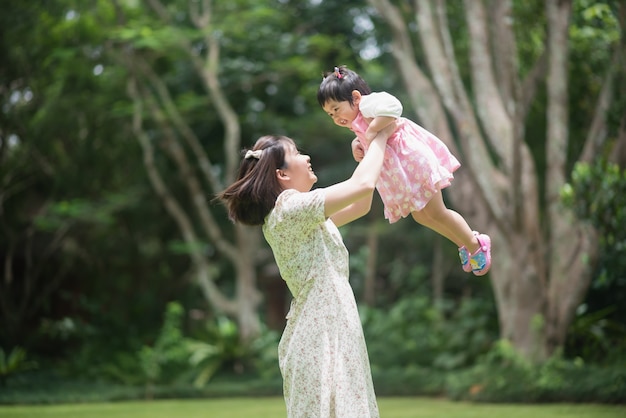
x=339, y=84
x=253, y=195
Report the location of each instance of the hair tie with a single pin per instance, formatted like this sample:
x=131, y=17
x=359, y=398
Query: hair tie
x=337, y=73
x=253, y=154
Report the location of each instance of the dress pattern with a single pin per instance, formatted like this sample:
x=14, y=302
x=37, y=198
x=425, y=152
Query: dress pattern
x=417, y=164
x=322, y=353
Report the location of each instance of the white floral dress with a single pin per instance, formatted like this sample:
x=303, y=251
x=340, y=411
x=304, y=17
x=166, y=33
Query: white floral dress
x=322, y=354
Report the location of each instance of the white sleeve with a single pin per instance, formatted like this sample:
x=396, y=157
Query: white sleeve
x=380, y=104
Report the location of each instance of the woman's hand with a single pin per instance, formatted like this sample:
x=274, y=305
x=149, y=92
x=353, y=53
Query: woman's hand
x=352, y=198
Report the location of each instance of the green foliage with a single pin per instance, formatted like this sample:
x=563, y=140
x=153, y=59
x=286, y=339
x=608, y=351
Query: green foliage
x=597, y=194
x=594, y=35
x=224, y=352
x=164, y=360
x=409, y=381
x=118, y=367
x=81, y=210
x=224, y=347
x=265, y=357
x=415, y=333
x=46, y=387
x=14, y=362
x=597, y=335
x=504, y=376
x=175, y=358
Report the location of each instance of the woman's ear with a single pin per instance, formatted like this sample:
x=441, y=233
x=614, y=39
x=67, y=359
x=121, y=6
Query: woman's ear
x=281, y=175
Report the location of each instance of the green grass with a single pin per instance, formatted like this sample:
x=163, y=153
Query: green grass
x=274, y=408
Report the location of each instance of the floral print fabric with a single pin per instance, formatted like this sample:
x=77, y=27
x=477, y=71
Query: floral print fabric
x=417, y=164
x=322, y=354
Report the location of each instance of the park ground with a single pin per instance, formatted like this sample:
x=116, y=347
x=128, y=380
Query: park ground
x=273, y=407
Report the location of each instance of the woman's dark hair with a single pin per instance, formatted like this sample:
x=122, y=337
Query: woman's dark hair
x=339, y=84
x=253, y=195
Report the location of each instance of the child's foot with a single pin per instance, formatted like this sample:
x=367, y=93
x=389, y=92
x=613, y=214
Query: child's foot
x=464, y=256
x=480, y=261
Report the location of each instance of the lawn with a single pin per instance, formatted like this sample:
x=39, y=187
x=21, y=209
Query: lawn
x=274, y=408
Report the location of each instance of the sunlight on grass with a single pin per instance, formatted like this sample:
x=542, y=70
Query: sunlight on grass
x=275, y=408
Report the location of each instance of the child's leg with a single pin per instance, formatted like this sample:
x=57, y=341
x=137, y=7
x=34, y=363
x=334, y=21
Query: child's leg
x=447, y=223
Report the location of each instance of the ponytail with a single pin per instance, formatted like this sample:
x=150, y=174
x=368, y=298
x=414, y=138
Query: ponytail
x=253, y=195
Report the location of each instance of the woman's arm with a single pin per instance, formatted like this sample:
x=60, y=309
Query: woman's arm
x=353, y=212
x=352, y=198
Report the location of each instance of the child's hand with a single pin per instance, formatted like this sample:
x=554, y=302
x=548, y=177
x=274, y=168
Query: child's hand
x=357, y=150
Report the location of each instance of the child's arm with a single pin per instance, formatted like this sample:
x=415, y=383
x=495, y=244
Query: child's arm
x=357, y=150
x=380, y=109
x=376, y=125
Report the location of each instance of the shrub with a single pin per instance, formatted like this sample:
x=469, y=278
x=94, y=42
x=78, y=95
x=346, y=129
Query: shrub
x=504, y=376
x=168, y=357
x=13, y=363
x=409, y=381
x=414, y=333
x=597, y=194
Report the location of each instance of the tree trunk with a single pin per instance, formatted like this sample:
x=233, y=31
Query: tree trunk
x=539, y=274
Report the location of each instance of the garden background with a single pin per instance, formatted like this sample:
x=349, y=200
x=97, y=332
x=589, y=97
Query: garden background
x=123, y=279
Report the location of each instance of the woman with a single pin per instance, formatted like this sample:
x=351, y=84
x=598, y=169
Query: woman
x=322, y=354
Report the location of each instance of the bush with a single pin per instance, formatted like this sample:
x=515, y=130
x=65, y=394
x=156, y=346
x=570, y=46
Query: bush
x=414, y=333
x=597, y=194
x=410, y=381
x=175, y=359
x=48, y=387
x=164, y=361
x=503, y=376
x=13, y=363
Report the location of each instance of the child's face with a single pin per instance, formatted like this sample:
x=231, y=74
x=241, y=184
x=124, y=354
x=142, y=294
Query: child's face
x=343, y=113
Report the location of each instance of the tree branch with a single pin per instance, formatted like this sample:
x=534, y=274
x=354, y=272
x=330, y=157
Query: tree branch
x=505, y=54
x=493, y=115
x=208, y=71
x=530, y=85
x=213, y=294
x=597, y=134
x=198, y=197
x=175, y=117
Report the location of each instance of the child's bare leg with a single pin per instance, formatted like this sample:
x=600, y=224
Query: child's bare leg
x=447, y=223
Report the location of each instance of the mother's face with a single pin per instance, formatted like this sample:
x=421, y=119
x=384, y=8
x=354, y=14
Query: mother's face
x=297, y=173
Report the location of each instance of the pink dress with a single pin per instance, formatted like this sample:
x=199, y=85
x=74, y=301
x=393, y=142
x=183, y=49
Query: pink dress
x=417, y=164
x=322, y=354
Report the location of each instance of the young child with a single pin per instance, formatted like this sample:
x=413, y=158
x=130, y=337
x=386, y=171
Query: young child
x=417, y=164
